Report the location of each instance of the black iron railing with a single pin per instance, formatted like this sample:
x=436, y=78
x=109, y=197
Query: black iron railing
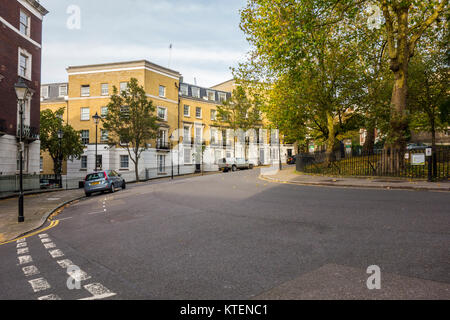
x=162, y=145
x=28, y=133
x=415, y=164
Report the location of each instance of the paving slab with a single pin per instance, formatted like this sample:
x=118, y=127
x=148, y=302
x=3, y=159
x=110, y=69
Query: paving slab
x=290, y=175
x=37, y=208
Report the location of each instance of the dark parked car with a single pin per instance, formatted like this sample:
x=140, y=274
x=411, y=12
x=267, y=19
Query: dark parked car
x=291, y=160
x=103, y=181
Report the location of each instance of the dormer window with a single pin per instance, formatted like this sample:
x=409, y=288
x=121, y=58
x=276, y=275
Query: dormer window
x=195, y=92
x=184, y=90
x=62, y=91
x=44, y=92
x=211, y=95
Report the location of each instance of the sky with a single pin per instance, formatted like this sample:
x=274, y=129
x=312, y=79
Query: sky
x=205, y=36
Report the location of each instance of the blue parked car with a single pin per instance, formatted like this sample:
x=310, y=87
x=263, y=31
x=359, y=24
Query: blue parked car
x=103, y=181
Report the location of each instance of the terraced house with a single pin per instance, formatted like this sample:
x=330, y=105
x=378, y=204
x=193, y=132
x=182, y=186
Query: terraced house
x=20, y=58
x=189, y=139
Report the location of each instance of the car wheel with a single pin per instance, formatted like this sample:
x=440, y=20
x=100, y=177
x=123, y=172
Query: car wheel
x=124, y=185
x=233, y=168
x=113, y=189
x=250, y=167
x=88, y=194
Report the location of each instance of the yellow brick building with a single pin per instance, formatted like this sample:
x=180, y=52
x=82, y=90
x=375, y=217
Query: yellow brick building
x=187, y=114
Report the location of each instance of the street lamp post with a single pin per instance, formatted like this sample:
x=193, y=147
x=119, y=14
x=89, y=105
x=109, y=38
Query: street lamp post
x=60, y=137
x=279, y=148
x=96, y=118
x=22, y=93
x=171, y=152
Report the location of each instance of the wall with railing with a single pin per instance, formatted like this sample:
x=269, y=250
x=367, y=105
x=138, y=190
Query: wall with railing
x=414, y=163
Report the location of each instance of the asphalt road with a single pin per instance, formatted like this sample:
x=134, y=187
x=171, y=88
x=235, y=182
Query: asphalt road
x=233, y=236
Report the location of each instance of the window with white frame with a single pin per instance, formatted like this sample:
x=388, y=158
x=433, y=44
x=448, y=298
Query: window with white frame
x=198, y=135
x=104, y=112
x=24, y=23
x=85, y=116
x=195, y=92
x=184, y=89
x=214, y=135
x=198, y=112
x=222, y=96
x=187, y=156
x=161, y=163
x=24, y=65
x=187, y=134
x=83, y=162
x=162, y=113
x=41, y=164
x=62, y=90
x=103, y=135
x=162, y=91
x=211, y=95
x=44, y=92
x=105, y=89
x=213, y=115
x=187, y=111
x=124, y=162
x=123, y=86
x=85, y=137
x=85, y=90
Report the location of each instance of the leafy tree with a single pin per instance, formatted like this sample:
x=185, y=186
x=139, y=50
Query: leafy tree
x=406, y=21
x=130, y=121
x=71, y=145
x=428, y=94
x=240, y=113
x=307, y=53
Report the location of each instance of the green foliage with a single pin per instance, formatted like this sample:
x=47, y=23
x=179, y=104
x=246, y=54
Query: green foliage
x=130, y=121
x=70, y=146
x=325, y=72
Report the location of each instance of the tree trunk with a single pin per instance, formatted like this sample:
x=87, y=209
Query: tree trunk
x=370, y=139
x=136, y=169
x=331, y=138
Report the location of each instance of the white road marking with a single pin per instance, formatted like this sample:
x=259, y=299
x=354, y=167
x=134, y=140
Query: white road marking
x=65, y=218
x=95, y=212
x=44, y=235
x=23, y=251
x=30, y=271
x=53, y=199
x=50, y=245
x=21, y=240
x=21, y=245
x=56, y=253
x=25, y=259
x=98, y=291
x=66, y=263
x=39, y=284
x=45, y=240
x=79, y=275
x=50, y=297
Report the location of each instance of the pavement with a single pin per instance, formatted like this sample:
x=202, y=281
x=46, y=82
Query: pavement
x=37, y=208
x=291, y=176
x=233, y=236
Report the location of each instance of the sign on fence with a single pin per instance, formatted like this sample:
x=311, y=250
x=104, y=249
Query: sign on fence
x=418, y=159
x=428, y=152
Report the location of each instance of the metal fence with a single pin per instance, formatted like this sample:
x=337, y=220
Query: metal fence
x=414, y=164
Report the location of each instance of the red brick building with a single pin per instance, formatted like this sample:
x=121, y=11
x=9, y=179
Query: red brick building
x=20, y=56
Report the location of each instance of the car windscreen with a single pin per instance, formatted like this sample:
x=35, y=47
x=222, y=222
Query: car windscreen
x=95, y=176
